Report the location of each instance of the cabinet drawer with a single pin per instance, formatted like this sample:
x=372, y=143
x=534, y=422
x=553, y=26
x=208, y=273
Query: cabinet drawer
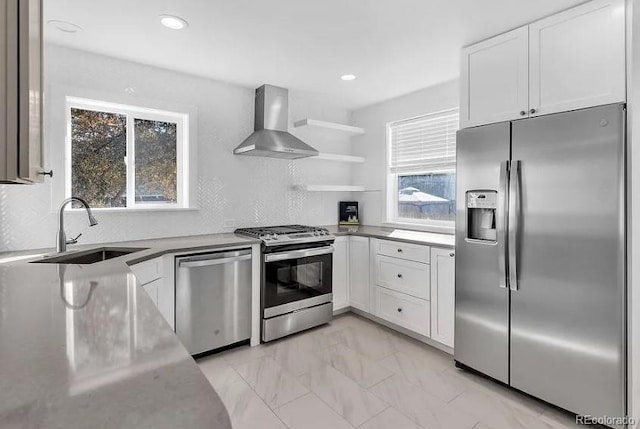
x=412, y=252
x=408, y=277
x=148, y=271
x=403, y=310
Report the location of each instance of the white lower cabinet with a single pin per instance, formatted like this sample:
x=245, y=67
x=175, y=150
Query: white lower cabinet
x=403, y=310
x=403, y=276
x=442, y=295
x=359, y=273
x=152, y=290
x=156, y=278
x=340, y=279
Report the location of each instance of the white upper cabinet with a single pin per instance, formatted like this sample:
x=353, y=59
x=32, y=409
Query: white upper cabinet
x=21, y=91
x=577, y=58
x=494, y=79
x=571, y=60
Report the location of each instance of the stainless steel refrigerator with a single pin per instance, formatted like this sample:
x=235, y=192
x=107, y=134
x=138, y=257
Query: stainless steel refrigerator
x=540, y=257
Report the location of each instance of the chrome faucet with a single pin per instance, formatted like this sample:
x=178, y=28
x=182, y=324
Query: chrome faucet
x=62, y=237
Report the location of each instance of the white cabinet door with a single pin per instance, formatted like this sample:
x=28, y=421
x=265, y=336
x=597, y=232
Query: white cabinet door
x=442, y=295
x=152, y=289
x=359, y=272
x=403, y=276
x=577, y=58
x=340, y=280
x=494, y=83
x=21, y=154
x=403, y=310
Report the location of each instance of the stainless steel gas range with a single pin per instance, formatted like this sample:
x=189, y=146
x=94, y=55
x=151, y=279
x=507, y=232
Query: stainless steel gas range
x=296, y=289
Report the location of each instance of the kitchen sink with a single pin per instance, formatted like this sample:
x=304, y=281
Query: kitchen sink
x=89, y=256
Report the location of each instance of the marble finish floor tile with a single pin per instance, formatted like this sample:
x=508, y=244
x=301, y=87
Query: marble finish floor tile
x=374, y=344
x=246, y=409
x=421, y=407
x=353, y=373
x=390, y=419
x=309, y=412
x=343, y=395
x=271, y=382
x=498, y=414
x=241, y=355
x=218, y=371
x=359, y=368
x=421, y=372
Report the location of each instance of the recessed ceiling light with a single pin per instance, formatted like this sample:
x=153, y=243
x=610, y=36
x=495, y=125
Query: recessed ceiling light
x=64, y=26
x=173, y=22
x=348, y=77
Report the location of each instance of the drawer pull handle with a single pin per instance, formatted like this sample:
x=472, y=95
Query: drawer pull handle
x=399, y=275
x=452, y=254
x=399, y=310
x=399, y=250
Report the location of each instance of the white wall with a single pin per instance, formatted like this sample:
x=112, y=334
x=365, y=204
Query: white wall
x=372, y=146
x=250, y=190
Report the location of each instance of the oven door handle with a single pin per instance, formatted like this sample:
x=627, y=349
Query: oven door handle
x=296, y=254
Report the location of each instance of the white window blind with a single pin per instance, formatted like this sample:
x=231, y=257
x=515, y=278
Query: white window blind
x=425, y=143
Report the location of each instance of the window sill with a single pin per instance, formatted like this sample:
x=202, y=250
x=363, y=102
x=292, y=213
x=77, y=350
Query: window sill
x=136, y=210
x=449, y=230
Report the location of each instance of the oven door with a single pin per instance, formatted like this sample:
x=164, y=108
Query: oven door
x=296, y=278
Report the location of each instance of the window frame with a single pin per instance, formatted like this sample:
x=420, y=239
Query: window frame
x=132, y=113
x=392, y=195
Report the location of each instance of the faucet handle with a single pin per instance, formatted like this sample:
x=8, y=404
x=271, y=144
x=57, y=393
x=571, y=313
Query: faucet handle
x=74, y=240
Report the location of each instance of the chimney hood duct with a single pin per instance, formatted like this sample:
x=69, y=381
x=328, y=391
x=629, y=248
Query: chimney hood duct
x=271, y=138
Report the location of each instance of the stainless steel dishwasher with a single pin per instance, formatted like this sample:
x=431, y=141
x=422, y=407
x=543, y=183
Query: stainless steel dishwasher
x=213, y=299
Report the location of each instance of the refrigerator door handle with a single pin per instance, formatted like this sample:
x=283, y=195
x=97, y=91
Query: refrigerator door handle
x=514, y=218
x=501, y=223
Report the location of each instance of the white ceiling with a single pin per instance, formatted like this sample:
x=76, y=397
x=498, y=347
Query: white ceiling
x=393, y=46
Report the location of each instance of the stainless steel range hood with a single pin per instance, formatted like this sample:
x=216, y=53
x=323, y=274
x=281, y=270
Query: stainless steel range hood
x=271, y=138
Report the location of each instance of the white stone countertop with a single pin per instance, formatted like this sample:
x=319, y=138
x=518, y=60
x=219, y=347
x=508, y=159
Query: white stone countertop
x=396, y=234
x=83, y=346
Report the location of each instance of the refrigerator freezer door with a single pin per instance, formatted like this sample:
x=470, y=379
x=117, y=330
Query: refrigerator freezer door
x=567, y=316
x=482, y=306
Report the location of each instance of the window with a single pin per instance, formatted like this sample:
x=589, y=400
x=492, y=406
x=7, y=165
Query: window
x=422, y=170
x=126, y=157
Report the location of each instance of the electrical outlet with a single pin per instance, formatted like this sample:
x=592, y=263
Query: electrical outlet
x=229, y=223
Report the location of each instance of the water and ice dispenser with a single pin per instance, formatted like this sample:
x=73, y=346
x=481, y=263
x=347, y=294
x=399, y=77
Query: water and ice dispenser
x=481, y=215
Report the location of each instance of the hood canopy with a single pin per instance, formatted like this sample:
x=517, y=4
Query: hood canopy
x=271, y=138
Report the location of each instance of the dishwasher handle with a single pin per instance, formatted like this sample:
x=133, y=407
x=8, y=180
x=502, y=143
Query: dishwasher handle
x=194, y=263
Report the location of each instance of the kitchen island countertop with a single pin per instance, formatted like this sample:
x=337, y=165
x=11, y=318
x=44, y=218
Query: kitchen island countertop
x=84, y=346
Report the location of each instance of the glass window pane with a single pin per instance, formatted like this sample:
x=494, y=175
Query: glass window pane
x=98, y=151
x=156, y=162
x=429, y=196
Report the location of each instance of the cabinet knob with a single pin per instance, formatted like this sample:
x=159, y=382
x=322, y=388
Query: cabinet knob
x=399, y=275
x=532, y=111
x=523, y=112
x=452, y=254
x=46, y=173
x=399, y=250
x=399, y=310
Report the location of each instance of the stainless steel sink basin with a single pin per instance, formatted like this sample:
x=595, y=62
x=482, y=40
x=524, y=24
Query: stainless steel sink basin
x=89, y=256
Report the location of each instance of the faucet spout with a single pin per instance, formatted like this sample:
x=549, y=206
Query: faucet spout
x=62, y=237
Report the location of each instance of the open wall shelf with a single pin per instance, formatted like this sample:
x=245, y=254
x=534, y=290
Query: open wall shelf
x=332, y=188
x=329, y=125
x=338, y=157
